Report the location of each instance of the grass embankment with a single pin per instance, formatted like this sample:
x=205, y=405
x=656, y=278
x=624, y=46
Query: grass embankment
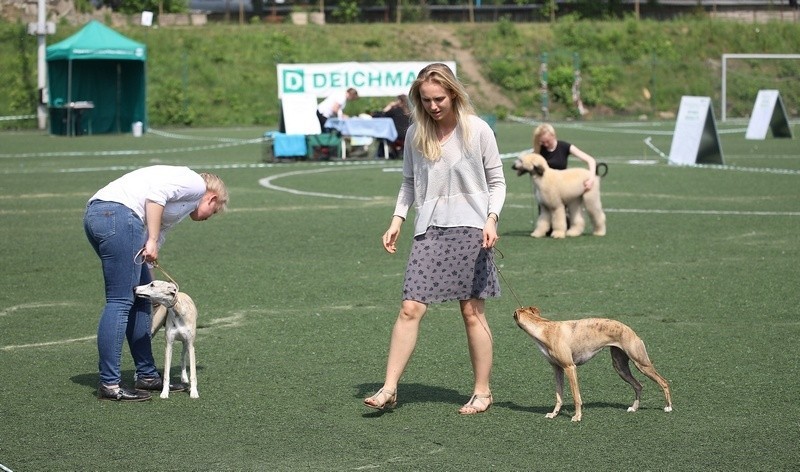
x=225, y=75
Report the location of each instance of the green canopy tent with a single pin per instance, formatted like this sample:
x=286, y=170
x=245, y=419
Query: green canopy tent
x=97, y=82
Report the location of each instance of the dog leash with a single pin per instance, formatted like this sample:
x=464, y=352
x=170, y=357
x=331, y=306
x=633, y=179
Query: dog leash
x=156, y=265
x=502, y=256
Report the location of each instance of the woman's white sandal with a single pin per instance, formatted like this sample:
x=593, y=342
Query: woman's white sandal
x=471, y=408
x=389, y=400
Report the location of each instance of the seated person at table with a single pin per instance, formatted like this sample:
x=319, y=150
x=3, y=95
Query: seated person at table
x=333, y=105
x=399, y=111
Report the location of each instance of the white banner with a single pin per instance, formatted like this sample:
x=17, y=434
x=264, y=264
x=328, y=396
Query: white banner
x=371, y=79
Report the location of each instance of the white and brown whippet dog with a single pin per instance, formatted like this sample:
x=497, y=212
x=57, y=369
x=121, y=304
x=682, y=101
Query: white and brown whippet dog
x=568, y=344
x=175, y=311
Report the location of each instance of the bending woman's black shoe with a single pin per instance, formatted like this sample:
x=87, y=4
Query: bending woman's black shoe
x=121, y=394
x=157, y=383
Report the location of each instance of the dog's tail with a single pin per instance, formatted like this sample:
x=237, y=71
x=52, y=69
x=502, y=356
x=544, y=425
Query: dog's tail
x=601, y=170
x=159, y=318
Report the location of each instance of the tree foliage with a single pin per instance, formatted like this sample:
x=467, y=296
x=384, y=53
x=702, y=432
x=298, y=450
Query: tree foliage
x=137, y=6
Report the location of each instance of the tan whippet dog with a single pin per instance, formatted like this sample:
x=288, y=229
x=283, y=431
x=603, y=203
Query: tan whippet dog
x=568, y=344
x=177, y=313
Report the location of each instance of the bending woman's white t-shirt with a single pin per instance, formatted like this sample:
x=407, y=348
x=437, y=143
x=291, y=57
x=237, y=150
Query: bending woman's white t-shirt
x=178, y=189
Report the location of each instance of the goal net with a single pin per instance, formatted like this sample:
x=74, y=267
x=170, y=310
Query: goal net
x=743, y=75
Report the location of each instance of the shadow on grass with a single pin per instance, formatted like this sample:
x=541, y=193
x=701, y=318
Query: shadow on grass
x=412, y=393
x=421, y=393
x=567, y=410
x=525, y=409
x=92, y=380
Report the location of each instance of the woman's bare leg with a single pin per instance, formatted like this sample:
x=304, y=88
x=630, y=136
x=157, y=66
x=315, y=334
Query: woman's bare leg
x=401, y=347
x=479, y=339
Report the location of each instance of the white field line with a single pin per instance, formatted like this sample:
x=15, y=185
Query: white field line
x=685, y=212
x=33, y=306
x=267, y=183
x=234, y=320
x=703, y=212
x=220, y=143
x=50, y=343
x=619, y=128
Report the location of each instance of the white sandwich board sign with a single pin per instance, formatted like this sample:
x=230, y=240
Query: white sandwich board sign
x=695, y=140
x=296, y=109
x=768, y=112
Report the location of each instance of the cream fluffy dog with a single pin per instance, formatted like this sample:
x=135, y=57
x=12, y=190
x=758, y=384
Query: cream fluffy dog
x=559, y=191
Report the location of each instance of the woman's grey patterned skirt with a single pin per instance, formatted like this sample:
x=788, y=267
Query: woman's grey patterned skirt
x=450, y=264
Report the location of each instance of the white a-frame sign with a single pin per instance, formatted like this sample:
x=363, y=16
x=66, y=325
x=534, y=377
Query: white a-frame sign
x=768, y=112
x=696, y=140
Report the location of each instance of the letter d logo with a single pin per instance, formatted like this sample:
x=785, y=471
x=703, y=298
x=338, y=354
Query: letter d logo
x=293, y=81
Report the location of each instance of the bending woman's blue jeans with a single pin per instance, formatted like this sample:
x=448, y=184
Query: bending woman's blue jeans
x=117, y=234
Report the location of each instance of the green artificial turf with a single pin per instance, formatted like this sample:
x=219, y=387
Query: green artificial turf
x=297, y=299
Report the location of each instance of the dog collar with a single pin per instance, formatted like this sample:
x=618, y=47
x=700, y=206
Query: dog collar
x=174, y=301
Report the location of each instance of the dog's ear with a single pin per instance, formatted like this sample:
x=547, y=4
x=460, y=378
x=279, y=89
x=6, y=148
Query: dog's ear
x=538, y=170
x=537, y=313
x=519, y=168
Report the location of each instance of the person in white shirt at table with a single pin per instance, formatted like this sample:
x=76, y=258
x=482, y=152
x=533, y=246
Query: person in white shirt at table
x=333, y=105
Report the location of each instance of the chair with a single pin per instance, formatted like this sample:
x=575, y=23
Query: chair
x=324, y=146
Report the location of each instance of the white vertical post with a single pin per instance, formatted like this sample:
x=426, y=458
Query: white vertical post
x=41, y=32
x=724, y=100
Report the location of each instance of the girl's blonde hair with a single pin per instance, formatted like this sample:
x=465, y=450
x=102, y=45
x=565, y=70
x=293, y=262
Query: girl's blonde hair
x=540, y=130
x=216, y=186
x=425, y=136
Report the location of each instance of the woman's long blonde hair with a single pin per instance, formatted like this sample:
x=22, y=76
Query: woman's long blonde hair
x=537, y=136
x=425, y=135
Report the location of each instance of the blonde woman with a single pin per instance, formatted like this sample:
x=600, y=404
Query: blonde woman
x=126, y=222
x=453, y=176
x=557, y=152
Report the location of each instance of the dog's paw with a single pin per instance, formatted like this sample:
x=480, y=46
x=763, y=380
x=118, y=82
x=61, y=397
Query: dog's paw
x=164, y=395
x=668, y=409
x=558, y=234
x=194, y=394
x=631, y=409
x=599, y=233
x=576, y=418
x=538, y=234
x=552, y=415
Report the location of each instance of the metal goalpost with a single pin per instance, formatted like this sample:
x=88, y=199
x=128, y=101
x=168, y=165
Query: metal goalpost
x=725, y=57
